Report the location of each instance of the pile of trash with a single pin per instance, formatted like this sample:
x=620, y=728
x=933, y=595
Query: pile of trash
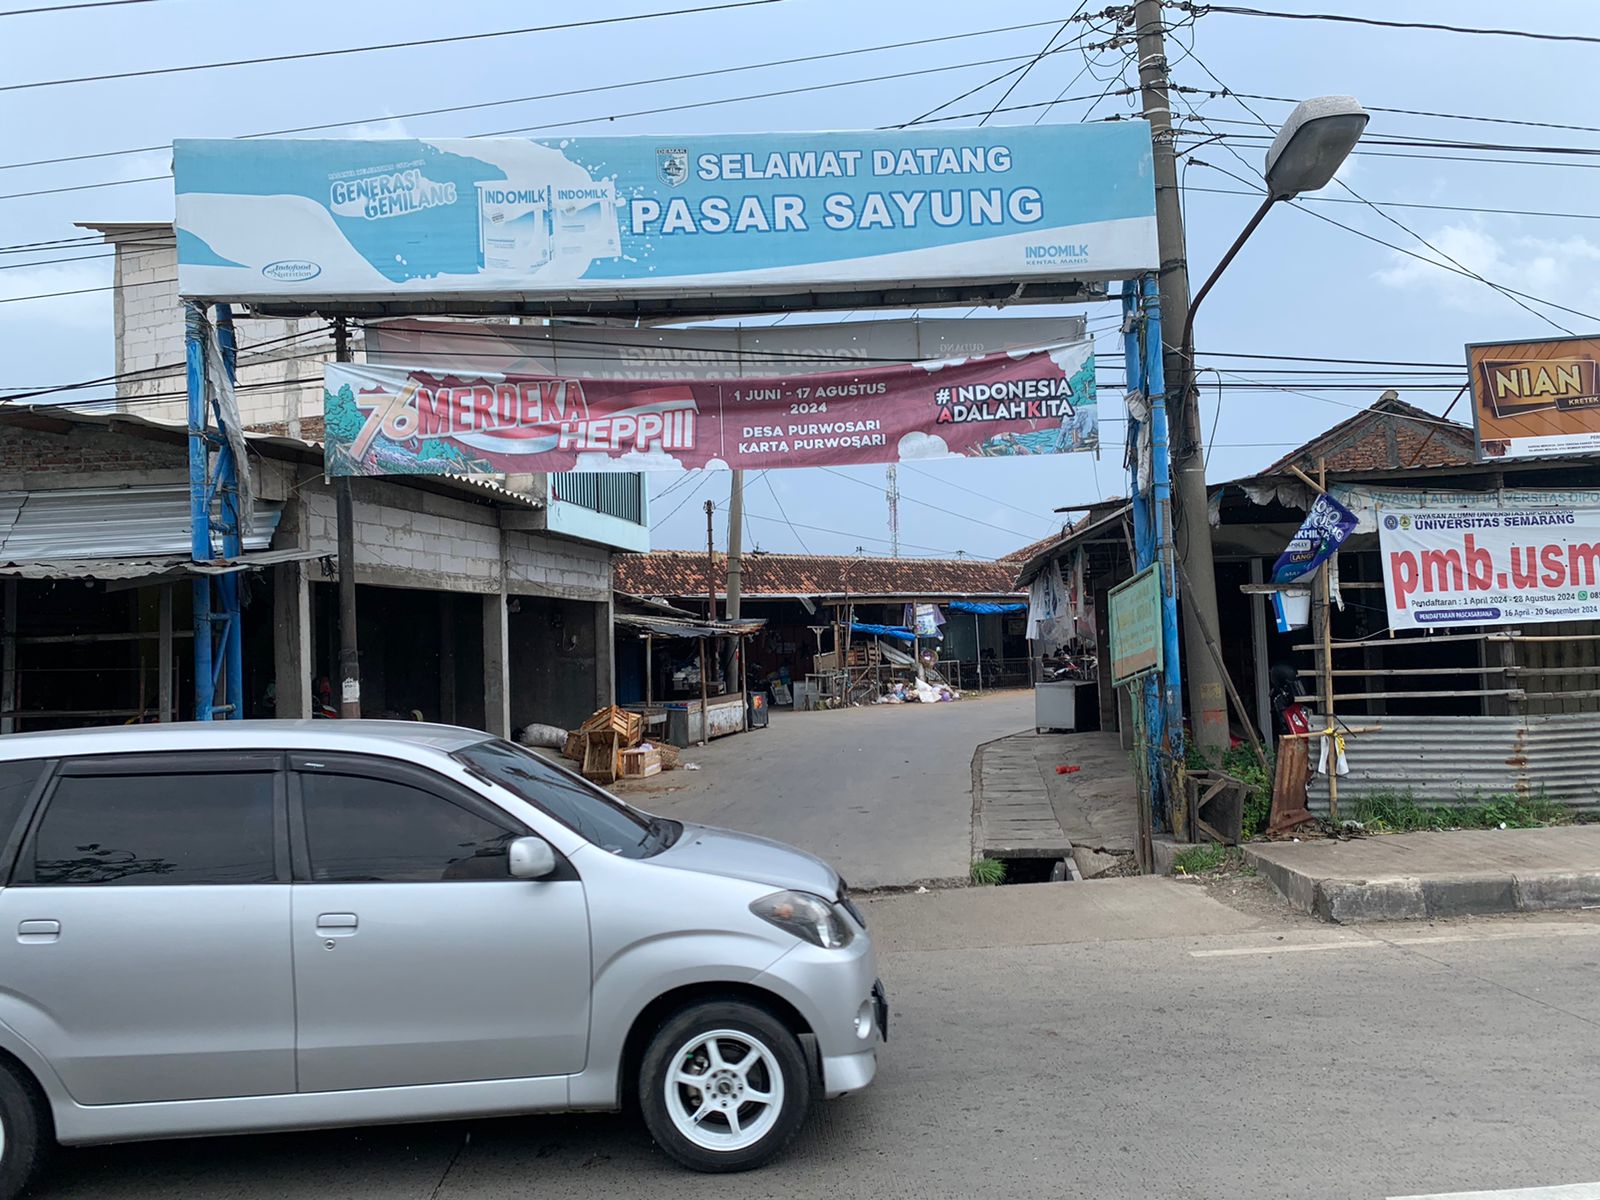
x=608, y=746
x=918, y=691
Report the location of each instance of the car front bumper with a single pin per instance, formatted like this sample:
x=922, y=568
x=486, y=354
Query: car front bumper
x=839, y=994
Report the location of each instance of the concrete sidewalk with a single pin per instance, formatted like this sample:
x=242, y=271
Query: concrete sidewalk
x=1026, y=809
x=1470, y=872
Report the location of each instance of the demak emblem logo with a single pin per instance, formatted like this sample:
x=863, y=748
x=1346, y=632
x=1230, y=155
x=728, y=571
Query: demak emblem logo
x=672, y=166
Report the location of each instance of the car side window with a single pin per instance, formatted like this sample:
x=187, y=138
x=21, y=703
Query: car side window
x=364, y=830
x=156, y=829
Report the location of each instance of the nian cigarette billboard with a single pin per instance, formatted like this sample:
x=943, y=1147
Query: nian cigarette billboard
x=1536, y=399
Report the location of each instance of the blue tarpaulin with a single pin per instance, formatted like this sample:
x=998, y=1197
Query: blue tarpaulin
x=985, y=609
x=894, y=631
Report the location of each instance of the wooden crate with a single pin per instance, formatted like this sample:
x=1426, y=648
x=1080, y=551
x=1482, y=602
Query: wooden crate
x=629, y=726
x=602, y=757
x=577, y=743
x=640, y=763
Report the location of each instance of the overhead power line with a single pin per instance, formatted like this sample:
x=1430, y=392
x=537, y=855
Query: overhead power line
x=608, y=87
x=56, y=8
x=1460, y=208
x=438, y=41
x=1201, y=10
x=615, y=116
x=1216, y=94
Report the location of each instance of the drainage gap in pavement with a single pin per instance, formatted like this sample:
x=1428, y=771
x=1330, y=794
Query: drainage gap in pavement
x=1033, y=870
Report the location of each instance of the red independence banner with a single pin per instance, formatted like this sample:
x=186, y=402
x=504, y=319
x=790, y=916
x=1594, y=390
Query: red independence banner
x=409, y=420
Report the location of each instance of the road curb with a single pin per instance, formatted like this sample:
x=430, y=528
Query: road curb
x=1342, y=900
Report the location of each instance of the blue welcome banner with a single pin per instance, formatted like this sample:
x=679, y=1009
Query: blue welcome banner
x=763, y=213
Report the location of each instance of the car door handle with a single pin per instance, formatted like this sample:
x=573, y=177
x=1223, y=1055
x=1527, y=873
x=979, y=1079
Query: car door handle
x=336, y=923
x=38, y=931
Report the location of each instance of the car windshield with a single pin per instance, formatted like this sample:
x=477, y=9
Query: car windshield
x=583, y=808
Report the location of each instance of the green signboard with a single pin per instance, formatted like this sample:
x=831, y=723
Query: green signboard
x=1136, y=626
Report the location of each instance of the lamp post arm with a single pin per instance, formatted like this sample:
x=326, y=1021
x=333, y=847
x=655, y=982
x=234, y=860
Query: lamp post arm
x=1187, y=353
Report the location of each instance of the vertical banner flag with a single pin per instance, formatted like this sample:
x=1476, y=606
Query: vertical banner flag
x=1318, y=539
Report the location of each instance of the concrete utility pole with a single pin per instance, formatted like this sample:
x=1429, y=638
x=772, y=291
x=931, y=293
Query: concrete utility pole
x=1192, y=525
x=711, y=563
x=735, y=542
x=733, y=648
x=344, y=506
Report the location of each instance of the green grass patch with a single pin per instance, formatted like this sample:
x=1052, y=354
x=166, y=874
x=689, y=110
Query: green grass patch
x=1199, y=860
x=1399, y=812
x=987, y=872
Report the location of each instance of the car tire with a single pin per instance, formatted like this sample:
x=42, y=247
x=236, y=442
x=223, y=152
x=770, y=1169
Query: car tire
x=755, y=1094
x=25, y=1136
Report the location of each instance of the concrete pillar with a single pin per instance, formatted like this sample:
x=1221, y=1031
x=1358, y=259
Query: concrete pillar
x=291, y=639
x=605, y=667
x=496, y=665
x=8, y=671
x=447, y=657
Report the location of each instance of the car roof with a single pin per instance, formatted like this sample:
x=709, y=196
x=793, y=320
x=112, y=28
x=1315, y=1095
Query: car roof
x=374, y=737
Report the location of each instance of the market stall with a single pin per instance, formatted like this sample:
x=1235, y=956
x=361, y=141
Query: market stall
x=687, y=699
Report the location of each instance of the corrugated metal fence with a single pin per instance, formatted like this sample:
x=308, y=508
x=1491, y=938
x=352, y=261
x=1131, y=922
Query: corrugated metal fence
x=1448, y=759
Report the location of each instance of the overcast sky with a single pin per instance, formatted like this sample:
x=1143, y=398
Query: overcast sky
x=1301, y=287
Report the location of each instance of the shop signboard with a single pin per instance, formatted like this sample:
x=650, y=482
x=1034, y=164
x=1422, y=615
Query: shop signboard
x=525, y=219
x=1136, y=641
x=417, y=420
x=1536, y=399
x=1445, y=567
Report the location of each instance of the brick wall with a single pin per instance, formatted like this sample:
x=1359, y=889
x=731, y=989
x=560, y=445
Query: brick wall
x=540, y=565
x=410, y=538
x=280, y=385
x=85, y=457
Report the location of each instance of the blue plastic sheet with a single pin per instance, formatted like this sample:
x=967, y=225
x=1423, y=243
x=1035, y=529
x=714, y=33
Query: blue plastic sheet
x=984, y=608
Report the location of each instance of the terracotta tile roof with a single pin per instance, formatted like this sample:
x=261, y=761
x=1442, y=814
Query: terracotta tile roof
x=1032, y=548
x=1390, y=436
x=683, y=573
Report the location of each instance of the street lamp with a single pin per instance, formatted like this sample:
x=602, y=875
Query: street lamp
x=1310, y=147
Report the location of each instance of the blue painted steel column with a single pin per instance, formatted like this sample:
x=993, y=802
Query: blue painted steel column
x=199, y=506
x=1161, y=487
x=232, y=534
x=1144, y=529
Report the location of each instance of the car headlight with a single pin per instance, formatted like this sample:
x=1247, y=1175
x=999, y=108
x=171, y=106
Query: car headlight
x=806, y=916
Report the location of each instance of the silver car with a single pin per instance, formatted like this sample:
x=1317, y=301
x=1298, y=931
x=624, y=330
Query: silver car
x=263, y=925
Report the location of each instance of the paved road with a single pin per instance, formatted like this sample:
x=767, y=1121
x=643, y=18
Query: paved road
x=883, y=792
x=1120, y=1039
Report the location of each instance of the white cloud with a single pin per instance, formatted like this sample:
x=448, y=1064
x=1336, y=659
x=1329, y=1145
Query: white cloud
x=919, y=445
x=83, y=310
x=1561, y=270
x=389, y=127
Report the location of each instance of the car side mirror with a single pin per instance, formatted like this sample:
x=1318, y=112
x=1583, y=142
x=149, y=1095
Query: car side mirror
x=531, y=858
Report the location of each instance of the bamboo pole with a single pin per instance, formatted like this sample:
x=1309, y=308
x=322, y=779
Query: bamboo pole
x=1327, y=661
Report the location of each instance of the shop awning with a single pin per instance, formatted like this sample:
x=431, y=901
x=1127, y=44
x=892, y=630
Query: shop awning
x=675, y=627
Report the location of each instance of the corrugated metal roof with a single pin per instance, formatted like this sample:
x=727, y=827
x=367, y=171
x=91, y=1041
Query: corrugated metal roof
x=678, y=628
x=108, y=523
x=170, y=566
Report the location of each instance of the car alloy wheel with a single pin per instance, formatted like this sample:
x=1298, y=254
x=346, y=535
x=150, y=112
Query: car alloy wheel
x=725, y=1091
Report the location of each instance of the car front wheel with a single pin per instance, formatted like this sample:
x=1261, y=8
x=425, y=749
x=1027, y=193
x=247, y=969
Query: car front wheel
x=724, y=1086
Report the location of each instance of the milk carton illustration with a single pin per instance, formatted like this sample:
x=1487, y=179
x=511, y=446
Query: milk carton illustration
x=586, y=220
x=514, y=226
